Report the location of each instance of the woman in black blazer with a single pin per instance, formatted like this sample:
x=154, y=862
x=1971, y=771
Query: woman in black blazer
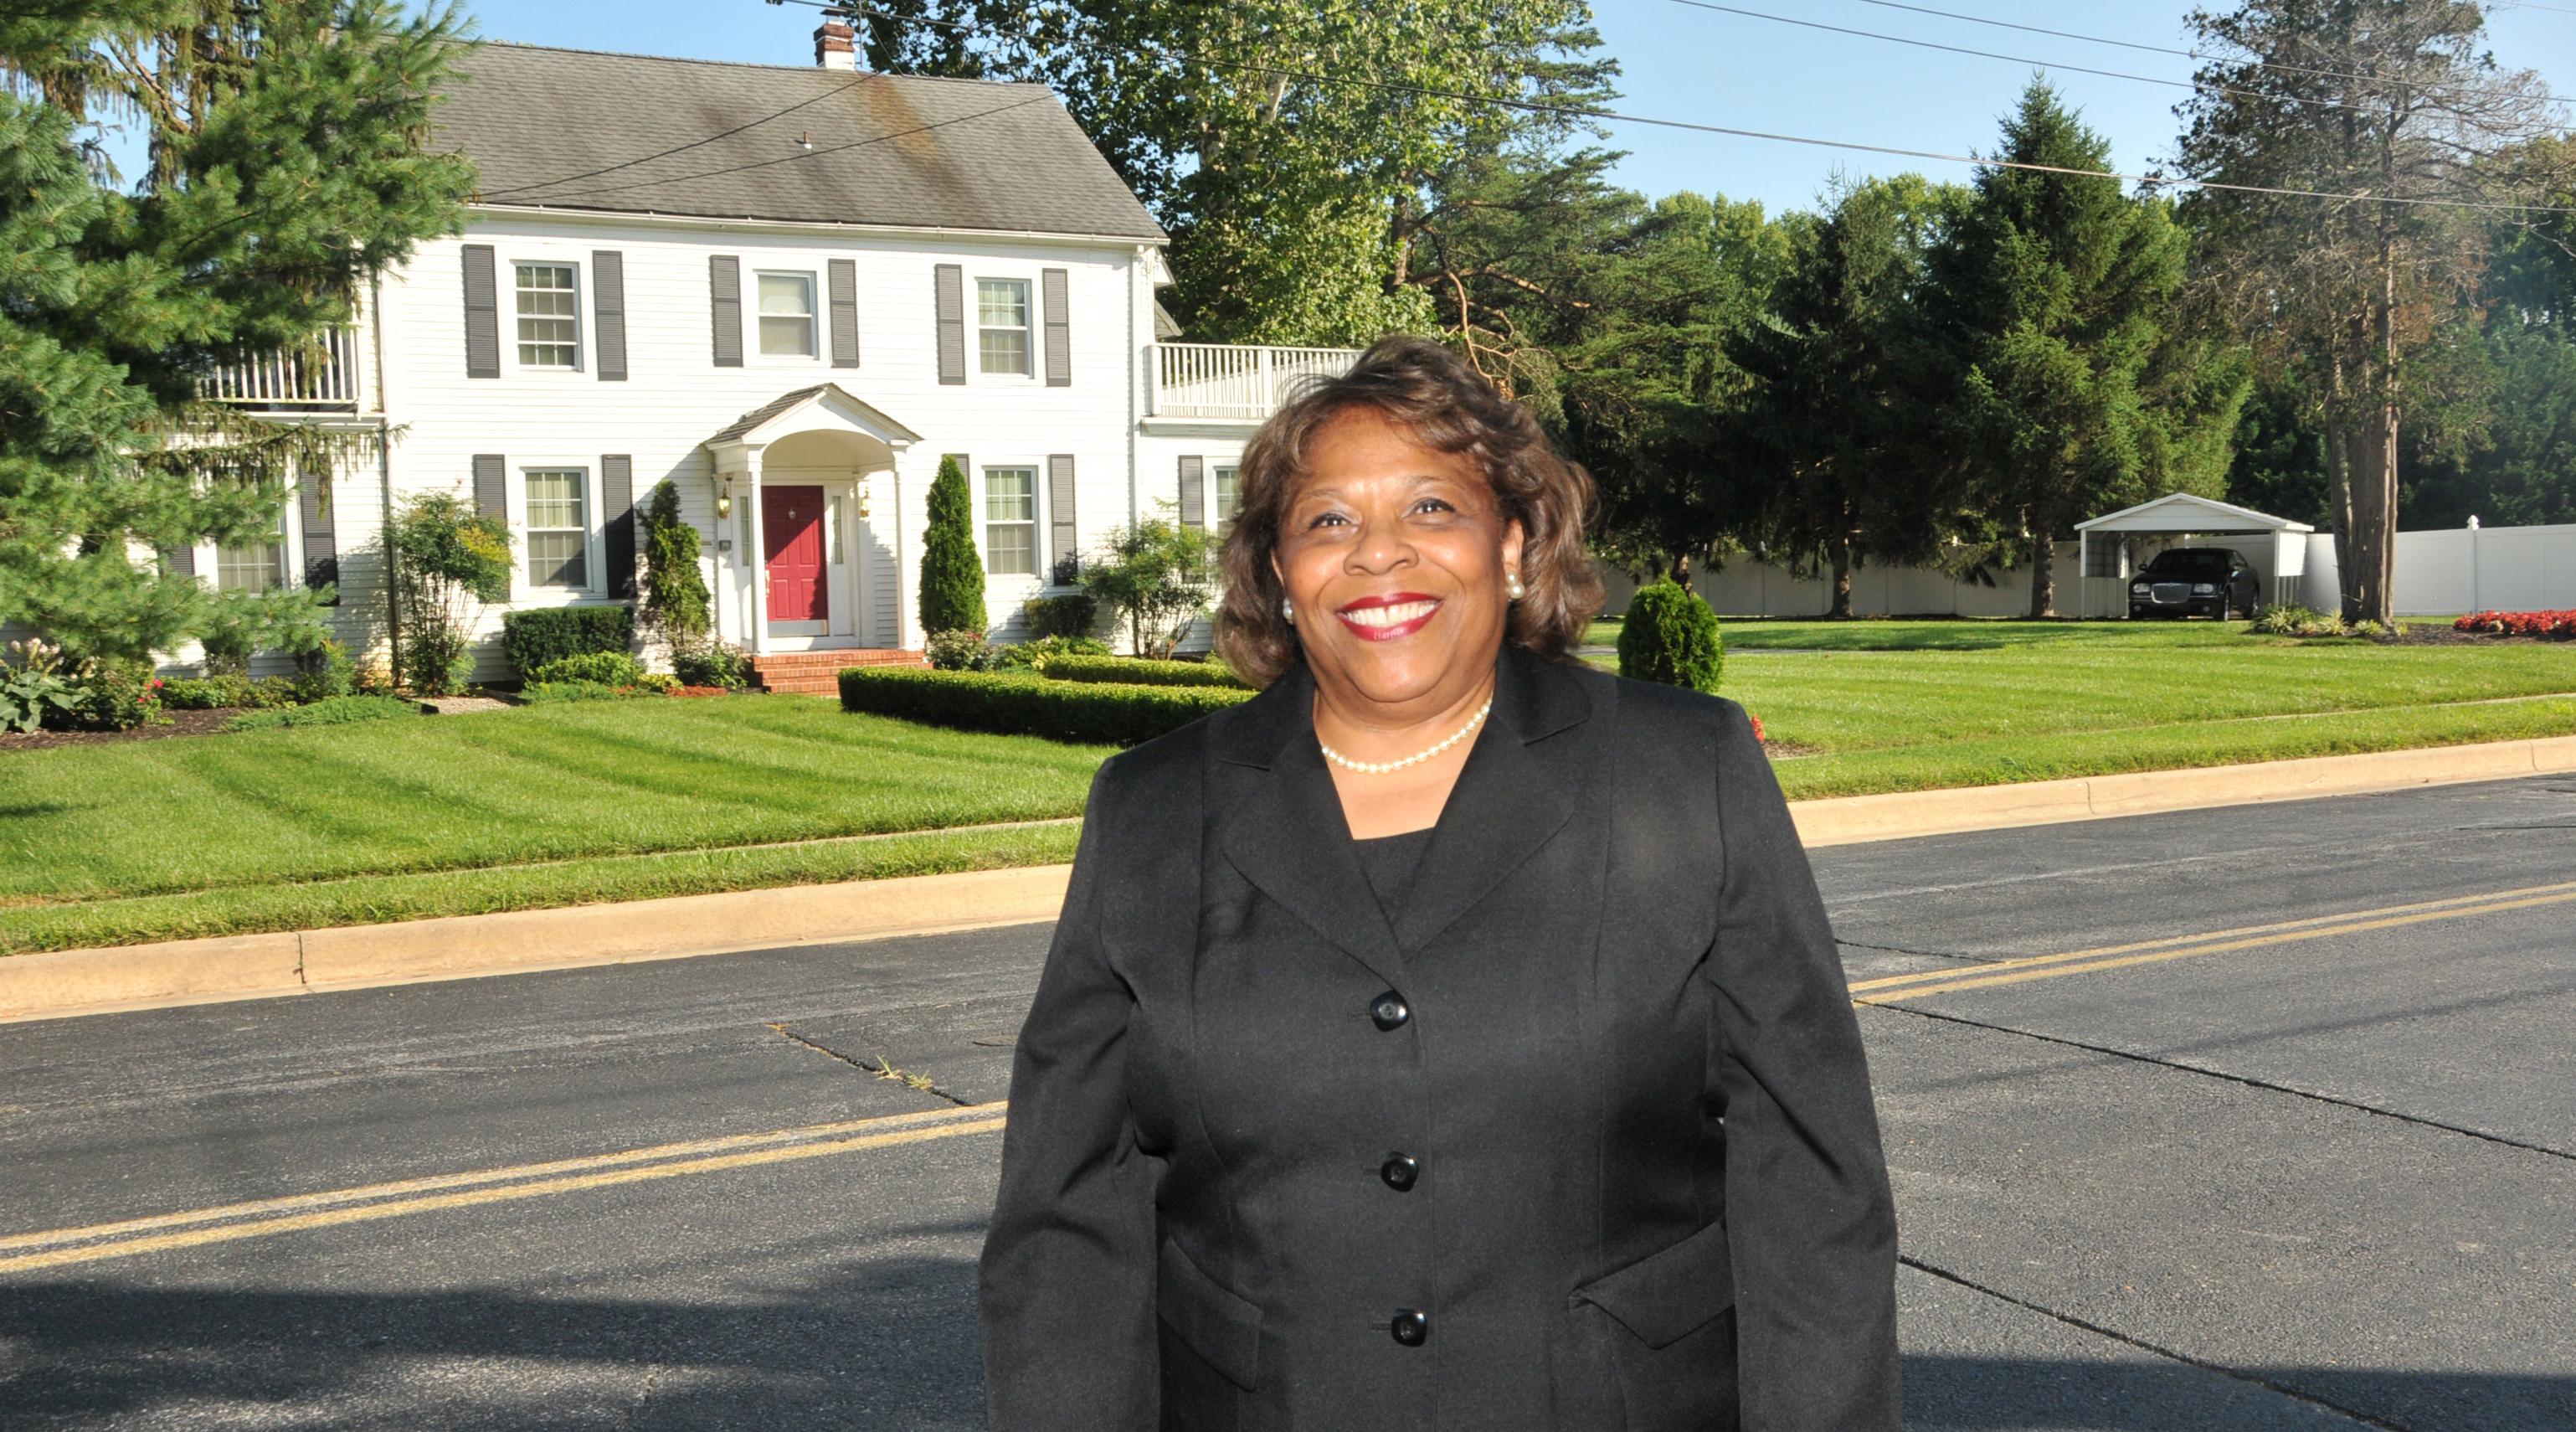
x=1450, y=1036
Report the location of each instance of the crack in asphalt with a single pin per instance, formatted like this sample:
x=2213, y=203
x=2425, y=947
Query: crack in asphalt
x=881, y=1068
x=1930, y=954
x=2172, y=1354
x=2247, y=1080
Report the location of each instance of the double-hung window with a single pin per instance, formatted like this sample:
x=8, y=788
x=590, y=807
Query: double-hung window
x=253, y=566
x=558, y=527
x=1011, y=521
x=549, y=316
x=787, y=314
x=1002, y=320
x=1225, y=498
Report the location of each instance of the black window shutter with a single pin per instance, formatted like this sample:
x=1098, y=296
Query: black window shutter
x=617, y=530
x=1194, y=491
x=951, y=285
x=1059, y=328
x=843, y=278
x=608, y=312
x=724, y=287
x=482, y=314
x=179, y=561
x=321, y=543
x=1060, y=509
x=491, y=493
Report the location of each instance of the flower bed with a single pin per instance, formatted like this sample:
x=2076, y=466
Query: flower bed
x=2558, y=625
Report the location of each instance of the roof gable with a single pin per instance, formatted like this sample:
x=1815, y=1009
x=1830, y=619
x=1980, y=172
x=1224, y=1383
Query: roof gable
x=574, y=129
x=2183, y=512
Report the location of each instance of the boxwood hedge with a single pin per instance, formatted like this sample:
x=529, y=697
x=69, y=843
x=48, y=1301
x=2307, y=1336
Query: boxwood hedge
x=1134, y=671
x=1089, y=712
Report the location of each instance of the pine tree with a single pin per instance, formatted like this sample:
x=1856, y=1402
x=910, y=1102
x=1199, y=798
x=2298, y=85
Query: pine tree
x=675, y=592
x=952, y=575
x=286, y=172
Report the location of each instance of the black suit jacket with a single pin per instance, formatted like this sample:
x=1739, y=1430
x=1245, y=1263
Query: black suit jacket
x=1649, y=1192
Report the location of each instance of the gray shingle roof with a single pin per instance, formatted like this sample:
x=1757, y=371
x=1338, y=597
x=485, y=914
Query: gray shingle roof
x=575, y=129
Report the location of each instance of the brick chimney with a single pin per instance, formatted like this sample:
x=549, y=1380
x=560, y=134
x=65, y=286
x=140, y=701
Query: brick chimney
x=836, y=46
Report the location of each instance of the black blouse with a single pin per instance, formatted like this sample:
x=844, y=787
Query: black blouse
x=1389, y=862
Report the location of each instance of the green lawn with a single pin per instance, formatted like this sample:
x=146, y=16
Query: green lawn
x=595, y=801
x=1911, y=705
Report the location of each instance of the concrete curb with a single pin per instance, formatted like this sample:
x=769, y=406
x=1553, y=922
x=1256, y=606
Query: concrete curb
x=69, y=982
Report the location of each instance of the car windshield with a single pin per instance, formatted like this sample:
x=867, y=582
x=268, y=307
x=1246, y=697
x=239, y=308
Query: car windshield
x=2188, y=564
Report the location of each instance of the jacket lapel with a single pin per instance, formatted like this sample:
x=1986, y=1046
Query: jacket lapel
x=1517, y=791
x=1280, y=822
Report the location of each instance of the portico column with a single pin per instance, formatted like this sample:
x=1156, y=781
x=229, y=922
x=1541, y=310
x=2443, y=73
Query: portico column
x=757, y=559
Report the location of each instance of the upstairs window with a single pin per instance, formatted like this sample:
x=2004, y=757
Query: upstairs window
x=549, y=317
x=1002, y=318
x=254, y=566
x=787, y=314
x=1011, y=521
x=558, y=528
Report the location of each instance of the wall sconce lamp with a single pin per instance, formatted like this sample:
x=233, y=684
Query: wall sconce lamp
x=724, y=502
x=864, y=508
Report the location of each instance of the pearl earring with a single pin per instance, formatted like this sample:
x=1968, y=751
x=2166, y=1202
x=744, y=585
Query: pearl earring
x=1288, y=611
x=1512, y=586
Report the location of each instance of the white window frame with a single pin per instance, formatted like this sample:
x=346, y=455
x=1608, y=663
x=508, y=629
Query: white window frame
x=1029, y=524
x=528, y=530
x=580, y=334
x=1218, y=519
x=813, y=353
x=1028, y=329
x=289, y=573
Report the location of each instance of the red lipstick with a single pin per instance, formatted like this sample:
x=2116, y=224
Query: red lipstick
x=1388, y=616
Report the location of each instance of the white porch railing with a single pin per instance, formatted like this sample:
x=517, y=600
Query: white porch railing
x=322, y=381
x=1218, y=380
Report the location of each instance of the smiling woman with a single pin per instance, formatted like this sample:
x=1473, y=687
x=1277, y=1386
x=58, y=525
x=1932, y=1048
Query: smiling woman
x=1447, y=991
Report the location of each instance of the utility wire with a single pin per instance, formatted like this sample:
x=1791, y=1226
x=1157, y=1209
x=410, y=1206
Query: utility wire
x=854, y=83
x=2287, y=69
x=1595, y=112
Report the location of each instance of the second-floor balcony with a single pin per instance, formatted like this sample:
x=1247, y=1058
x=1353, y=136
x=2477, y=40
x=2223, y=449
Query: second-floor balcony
x=323, y=380
x=1230, y=382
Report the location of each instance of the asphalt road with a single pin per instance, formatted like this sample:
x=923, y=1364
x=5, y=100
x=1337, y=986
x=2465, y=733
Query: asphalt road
x=2276, y=1129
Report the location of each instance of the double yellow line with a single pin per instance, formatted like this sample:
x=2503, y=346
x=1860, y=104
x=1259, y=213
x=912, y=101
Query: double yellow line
x=2216, y=942
x=57, y=1247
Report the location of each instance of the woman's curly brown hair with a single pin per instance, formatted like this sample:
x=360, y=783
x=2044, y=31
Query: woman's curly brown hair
x=1430, y=393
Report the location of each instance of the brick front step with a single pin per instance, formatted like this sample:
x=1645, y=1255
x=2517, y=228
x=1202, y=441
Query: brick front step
x=817, y=673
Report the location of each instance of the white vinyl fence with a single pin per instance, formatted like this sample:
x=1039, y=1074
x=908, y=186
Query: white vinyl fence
x=2446, y=573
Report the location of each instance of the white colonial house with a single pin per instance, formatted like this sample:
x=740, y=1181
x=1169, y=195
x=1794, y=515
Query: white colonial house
x=790, y=292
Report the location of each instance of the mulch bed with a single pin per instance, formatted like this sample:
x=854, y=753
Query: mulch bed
x=182, y=723
x=2429, y=634
x=701, y=691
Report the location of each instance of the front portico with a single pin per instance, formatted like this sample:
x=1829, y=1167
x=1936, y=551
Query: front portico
x=808, y=550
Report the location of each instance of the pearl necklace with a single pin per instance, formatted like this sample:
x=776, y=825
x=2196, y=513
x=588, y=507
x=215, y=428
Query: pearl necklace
x=1380, y=768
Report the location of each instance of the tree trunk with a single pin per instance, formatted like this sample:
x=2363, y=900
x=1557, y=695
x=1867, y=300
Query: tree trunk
x=1842, y=610
x=2043, y=565
x=2339, y=448
x=1681, y=570
x=2370, y=584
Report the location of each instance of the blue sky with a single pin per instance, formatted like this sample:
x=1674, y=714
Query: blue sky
x=1706, y=67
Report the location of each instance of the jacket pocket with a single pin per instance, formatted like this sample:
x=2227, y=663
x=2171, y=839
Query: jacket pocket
x=1222, y=1328
x=1669, y=1295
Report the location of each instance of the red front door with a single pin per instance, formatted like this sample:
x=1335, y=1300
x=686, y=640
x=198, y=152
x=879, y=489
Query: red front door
x=791, y=521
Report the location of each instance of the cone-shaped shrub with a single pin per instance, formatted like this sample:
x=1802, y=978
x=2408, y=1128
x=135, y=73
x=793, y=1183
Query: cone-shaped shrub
x=1671, y=637
x=952, y=575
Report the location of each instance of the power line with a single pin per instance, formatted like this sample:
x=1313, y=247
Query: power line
x=854, y=83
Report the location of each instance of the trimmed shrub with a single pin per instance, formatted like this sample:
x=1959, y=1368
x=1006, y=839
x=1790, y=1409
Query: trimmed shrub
x=1076, y=616
x=543, y=693
x=1032, y=655
x=1134, y=671
x=213, y=693
x=335, y=711
x=608, y=668
x=542, y=636
x=1671, y=637
x=715, y=664
x=1093, y=714
x=959, y=651
x=952, y=574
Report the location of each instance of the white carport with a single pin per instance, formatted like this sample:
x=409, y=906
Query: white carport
x=2281, y=558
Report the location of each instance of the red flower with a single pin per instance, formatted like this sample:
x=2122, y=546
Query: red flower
x=1757, y=727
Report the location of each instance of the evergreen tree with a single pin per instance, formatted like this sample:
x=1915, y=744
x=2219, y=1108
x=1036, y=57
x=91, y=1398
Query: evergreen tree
x=286, y=172
x=675, y=591
x=2054, y=291
x=952, y=574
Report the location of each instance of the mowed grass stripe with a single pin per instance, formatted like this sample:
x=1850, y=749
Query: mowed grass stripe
x=542, y=1188
x=127, y=1228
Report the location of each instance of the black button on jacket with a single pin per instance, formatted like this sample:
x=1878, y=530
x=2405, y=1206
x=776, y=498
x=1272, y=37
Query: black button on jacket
x=1650, y=1192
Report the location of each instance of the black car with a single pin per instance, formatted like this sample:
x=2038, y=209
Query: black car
x=2196, y=582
